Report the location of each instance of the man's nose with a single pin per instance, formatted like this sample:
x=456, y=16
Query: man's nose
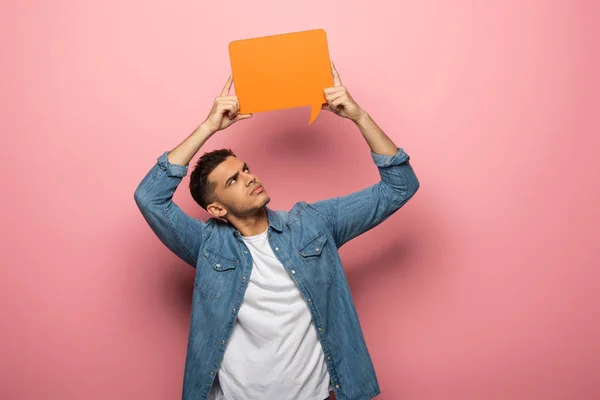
x=250, y=178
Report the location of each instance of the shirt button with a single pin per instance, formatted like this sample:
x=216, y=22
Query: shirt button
x=293, y=271
x=218, y=265
x=212, y=373
x=320, y=329
x=243, y=278
x=222, y=341
x=317, y=249
x=309, y=300
x=246, y=251
x=234, y=310
x=337, y=386
x=328, y=357
x=276, y=248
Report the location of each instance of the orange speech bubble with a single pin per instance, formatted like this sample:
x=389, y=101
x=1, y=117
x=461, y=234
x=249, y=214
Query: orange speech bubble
x=281, y=71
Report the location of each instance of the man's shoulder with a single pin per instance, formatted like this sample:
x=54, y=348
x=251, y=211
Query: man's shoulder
x=303, y=209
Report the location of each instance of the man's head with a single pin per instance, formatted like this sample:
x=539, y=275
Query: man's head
x=222, y=184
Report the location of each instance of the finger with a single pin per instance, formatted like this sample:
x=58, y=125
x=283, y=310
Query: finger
x=225, y=108
x=228, y=105
x=337, y=81
x=330, y=105
x=325, y=107
x=334, y=89
x=241, y=117
x=236, y=107
x=335, y=96
x=230, y=100
x=235, y=112
x=339, y=101
x=225, y=98
x=227, y=86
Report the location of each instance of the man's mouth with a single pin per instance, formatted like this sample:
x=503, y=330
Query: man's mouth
x=257, y=189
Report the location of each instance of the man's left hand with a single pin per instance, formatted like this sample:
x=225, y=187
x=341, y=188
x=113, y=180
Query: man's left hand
x=339, y=100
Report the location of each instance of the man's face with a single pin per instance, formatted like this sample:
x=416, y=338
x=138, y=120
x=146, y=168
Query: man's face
x=238, y=190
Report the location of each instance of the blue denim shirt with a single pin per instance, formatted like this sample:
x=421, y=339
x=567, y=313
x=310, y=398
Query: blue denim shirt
x=305, y=239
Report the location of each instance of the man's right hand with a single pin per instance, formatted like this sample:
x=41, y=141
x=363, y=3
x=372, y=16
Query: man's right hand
x=225, y=110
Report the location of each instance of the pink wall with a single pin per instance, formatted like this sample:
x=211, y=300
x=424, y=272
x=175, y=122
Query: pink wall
x=484, y=286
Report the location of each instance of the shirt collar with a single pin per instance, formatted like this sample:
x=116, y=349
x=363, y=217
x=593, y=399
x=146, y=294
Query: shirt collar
x=275, y=222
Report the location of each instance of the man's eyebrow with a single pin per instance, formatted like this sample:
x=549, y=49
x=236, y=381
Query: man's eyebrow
x=234, y=176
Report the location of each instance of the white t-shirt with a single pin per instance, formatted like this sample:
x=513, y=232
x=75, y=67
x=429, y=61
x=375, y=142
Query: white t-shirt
x=274, y=351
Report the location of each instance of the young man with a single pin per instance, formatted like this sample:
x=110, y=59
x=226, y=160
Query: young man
x=272, y=314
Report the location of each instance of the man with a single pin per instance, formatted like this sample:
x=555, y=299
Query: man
x=272, y=313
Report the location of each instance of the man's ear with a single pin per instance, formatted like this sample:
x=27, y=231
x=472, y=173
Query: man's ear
x=216, y=209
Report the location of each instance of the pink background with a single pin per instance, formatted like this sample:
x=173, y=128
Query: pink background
x=484, y=286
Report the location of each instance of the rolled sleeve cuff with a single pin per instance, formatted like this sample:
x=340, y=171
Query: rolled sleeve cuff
x=172, y=169
x=382, y=160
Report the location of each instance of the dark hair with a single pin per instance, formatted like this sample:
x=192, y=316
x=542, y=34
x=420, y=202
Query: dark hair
x=202, y=190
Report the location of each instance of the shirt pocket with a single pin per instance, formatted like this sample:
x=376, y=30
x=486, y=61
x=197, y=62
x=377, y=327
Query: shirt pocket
x=316, y=258
x=216, y=275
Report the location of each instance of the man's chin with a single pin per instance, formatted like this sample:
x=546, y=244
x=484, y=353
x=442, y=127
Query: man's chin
x=266, y=200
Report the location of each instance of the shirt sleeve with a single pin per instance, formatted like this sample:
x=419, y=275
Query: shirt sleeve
x=349, y=216
x=181, y=233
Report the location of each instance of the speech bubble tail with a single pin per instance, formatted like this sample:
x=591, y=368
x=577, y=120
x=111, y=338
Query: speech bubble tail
x=314, y=113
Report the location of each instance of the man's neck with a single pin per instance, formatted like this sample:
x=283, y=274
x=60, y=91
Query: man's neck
x=251, y=225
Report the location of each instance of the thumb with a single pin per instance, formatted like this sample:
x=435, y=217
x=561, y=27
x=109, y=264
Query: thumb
x=240, y=117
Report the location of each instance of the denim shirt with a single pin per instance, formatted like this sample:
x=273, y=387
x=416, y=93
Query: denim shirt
x=305, y=239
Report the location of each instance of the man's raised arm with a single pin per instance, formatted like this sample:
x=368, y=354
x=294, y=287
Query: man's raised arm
x=351, y=215
x=181, y=233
